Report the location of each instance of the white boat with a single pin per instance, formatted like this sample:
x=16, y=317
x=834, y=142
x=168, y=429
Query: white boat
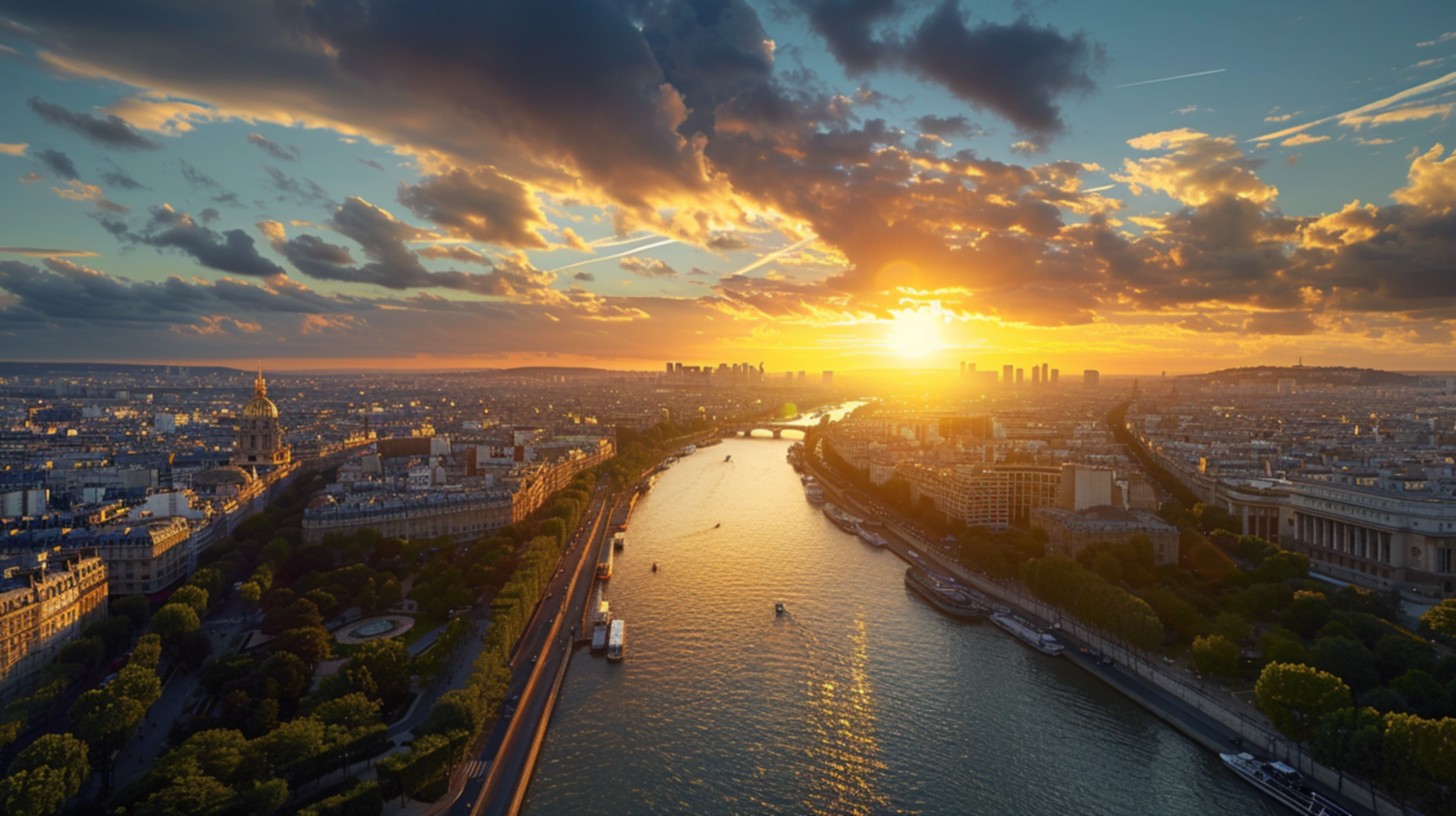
x=688, y=451
x=1023, y=631
x=619, y=540
x=617, y=641
x=601, y=620
x=1283, y=783
x=847, y=522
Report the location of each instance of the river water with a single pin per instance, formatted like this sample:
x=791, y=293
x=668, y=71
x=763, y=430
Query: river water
x=863, y=700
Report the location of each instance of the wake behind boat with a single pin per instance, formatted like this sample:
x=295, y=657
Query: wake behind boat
x=1283, y=783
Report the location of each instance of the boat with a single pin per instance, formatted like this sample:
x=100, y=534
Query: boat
x=604, y=563
x=814, y=493
x=944, y=594
x=728, y=458
x=870, y=537
x=779, y=610
x=687, y=451
x=1283, y=783
x=654, y=566
x=847, y=522
x=619, y=540
x=601, y=620
x=617, y=641
x=1025, y=632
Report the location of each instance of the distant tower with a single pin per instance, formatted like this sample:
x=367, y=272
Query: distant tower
x=260, y=438
x=1090, y=377
x=1007, y=372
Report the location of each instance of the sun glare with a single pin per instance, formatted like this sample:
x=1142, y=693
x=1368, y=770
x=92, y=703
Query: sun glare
x=916, y=333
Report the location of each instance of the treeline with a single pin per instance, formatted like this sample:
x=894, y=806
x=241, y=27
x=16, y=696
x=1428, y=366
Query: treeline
x=1062, y=582
x=460, y=716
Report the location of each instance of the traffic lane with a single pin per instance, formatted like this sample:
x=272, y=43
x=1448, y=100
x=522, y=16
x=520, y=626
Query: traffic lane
x=503, y=745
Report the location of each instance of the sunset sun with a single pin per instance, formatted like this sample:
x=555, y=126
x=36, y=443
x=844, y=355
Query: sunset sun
x=916, y=333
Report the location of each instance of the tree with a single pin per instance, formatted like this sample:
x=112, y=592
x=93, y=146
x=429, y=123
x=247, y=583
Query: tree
x=1282, y=566
x=350, y=712
x=134, y=608
x=1306, y=613
x=1423, y=695
x=1347, y=659
x=186, y=796
x=1294, y=697
x=388, y=666
x=311, y=644
x=44, y=776
x=173, y=621
x=286, y=746
x=103, y=718
x=194, y=596
x=1350, y=739
x=1232, y=625
x=1441, y=618
x=1215, y=654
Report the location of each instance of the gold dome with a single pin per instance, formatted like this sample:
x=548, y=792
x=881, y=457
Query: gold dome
x=260, y=407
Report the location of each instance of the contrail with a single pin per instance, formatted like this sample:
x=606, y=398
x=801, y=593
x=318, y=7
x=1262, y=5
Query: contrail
x=1170, y=79
x=770, y=257
x=631, y=251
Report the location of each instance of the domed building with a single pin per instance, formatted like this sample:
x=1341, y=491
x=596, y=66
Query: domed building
x=260, y=439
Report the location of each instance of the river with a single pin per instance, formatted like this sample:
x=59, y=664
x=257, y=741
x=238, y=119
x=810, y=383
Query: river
x=862, y=700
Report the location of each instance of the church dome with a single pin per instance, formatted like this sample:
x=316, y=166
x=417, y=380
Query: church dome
x=260, y=407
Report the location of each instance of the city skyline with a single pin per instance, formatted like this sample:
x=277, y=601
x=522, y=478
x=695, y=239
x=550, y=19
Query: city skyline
x=823, y=185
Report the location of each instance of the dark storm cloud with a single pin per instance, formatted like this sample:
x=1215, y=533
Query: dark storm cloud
x=227, y=251
x=272, y=148
x=570, y=76
x=710, y=51
x=482, y=205
x=847, y=28
x=58, y=163
x=944, y=125
x=392, y=265
x=1017, y=70
x=113, y=131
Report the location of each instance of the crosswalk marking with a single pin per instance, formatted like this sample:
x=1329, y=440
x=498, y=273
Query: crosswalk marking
x=475, y=769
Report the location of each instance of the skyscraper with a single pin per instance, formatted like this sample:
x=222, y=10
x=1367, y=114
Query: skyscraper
x=1006, y=374
x=1090, y=378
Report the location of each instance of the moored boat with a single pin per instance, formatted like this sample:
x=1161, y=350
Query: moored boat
x=944, y=594
x=1025, y=632
x=1283, y=783
x=847, y=522
x=870, y=537
x=617, y=641
x=814, y=493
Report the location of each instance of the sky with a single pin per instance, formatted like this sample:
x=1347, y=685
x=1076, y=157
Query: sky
x=812, y=184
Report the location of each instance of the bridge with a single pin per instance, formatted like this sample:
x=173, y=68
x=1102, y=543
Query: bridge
x=775, y=428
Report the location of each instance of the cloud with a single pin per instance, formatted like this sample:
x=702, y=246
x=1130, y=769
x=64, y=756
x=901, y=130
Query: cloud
x=584, y=277
x=480, y=204
x=161, y=113
x=217, y=324
x=302, y=191
x=117, y=177
x=272, y=148
x=392, y=265
x=1447, y=37
x=1196, y=169
x=454, y=252
x=1431, y=182
x=196, y=178
x=1016, y=70
x=1405, y=113
x=1369, y=112
x=38, y=252
x=58, y=163
x=112, y=131
x=13, y=149
x=231, y=250
x=370, y=163
x=31, y=178
x=1301, y=139
x=1294, y=323
x=75, y=190
x=847, y=28
x=648, y=267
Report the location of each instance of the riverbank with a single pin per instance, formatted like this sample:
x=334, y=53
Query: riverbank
x=1194, y=710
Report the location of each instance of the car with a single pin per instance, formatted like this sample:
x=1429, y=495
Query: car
x=534, y=657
